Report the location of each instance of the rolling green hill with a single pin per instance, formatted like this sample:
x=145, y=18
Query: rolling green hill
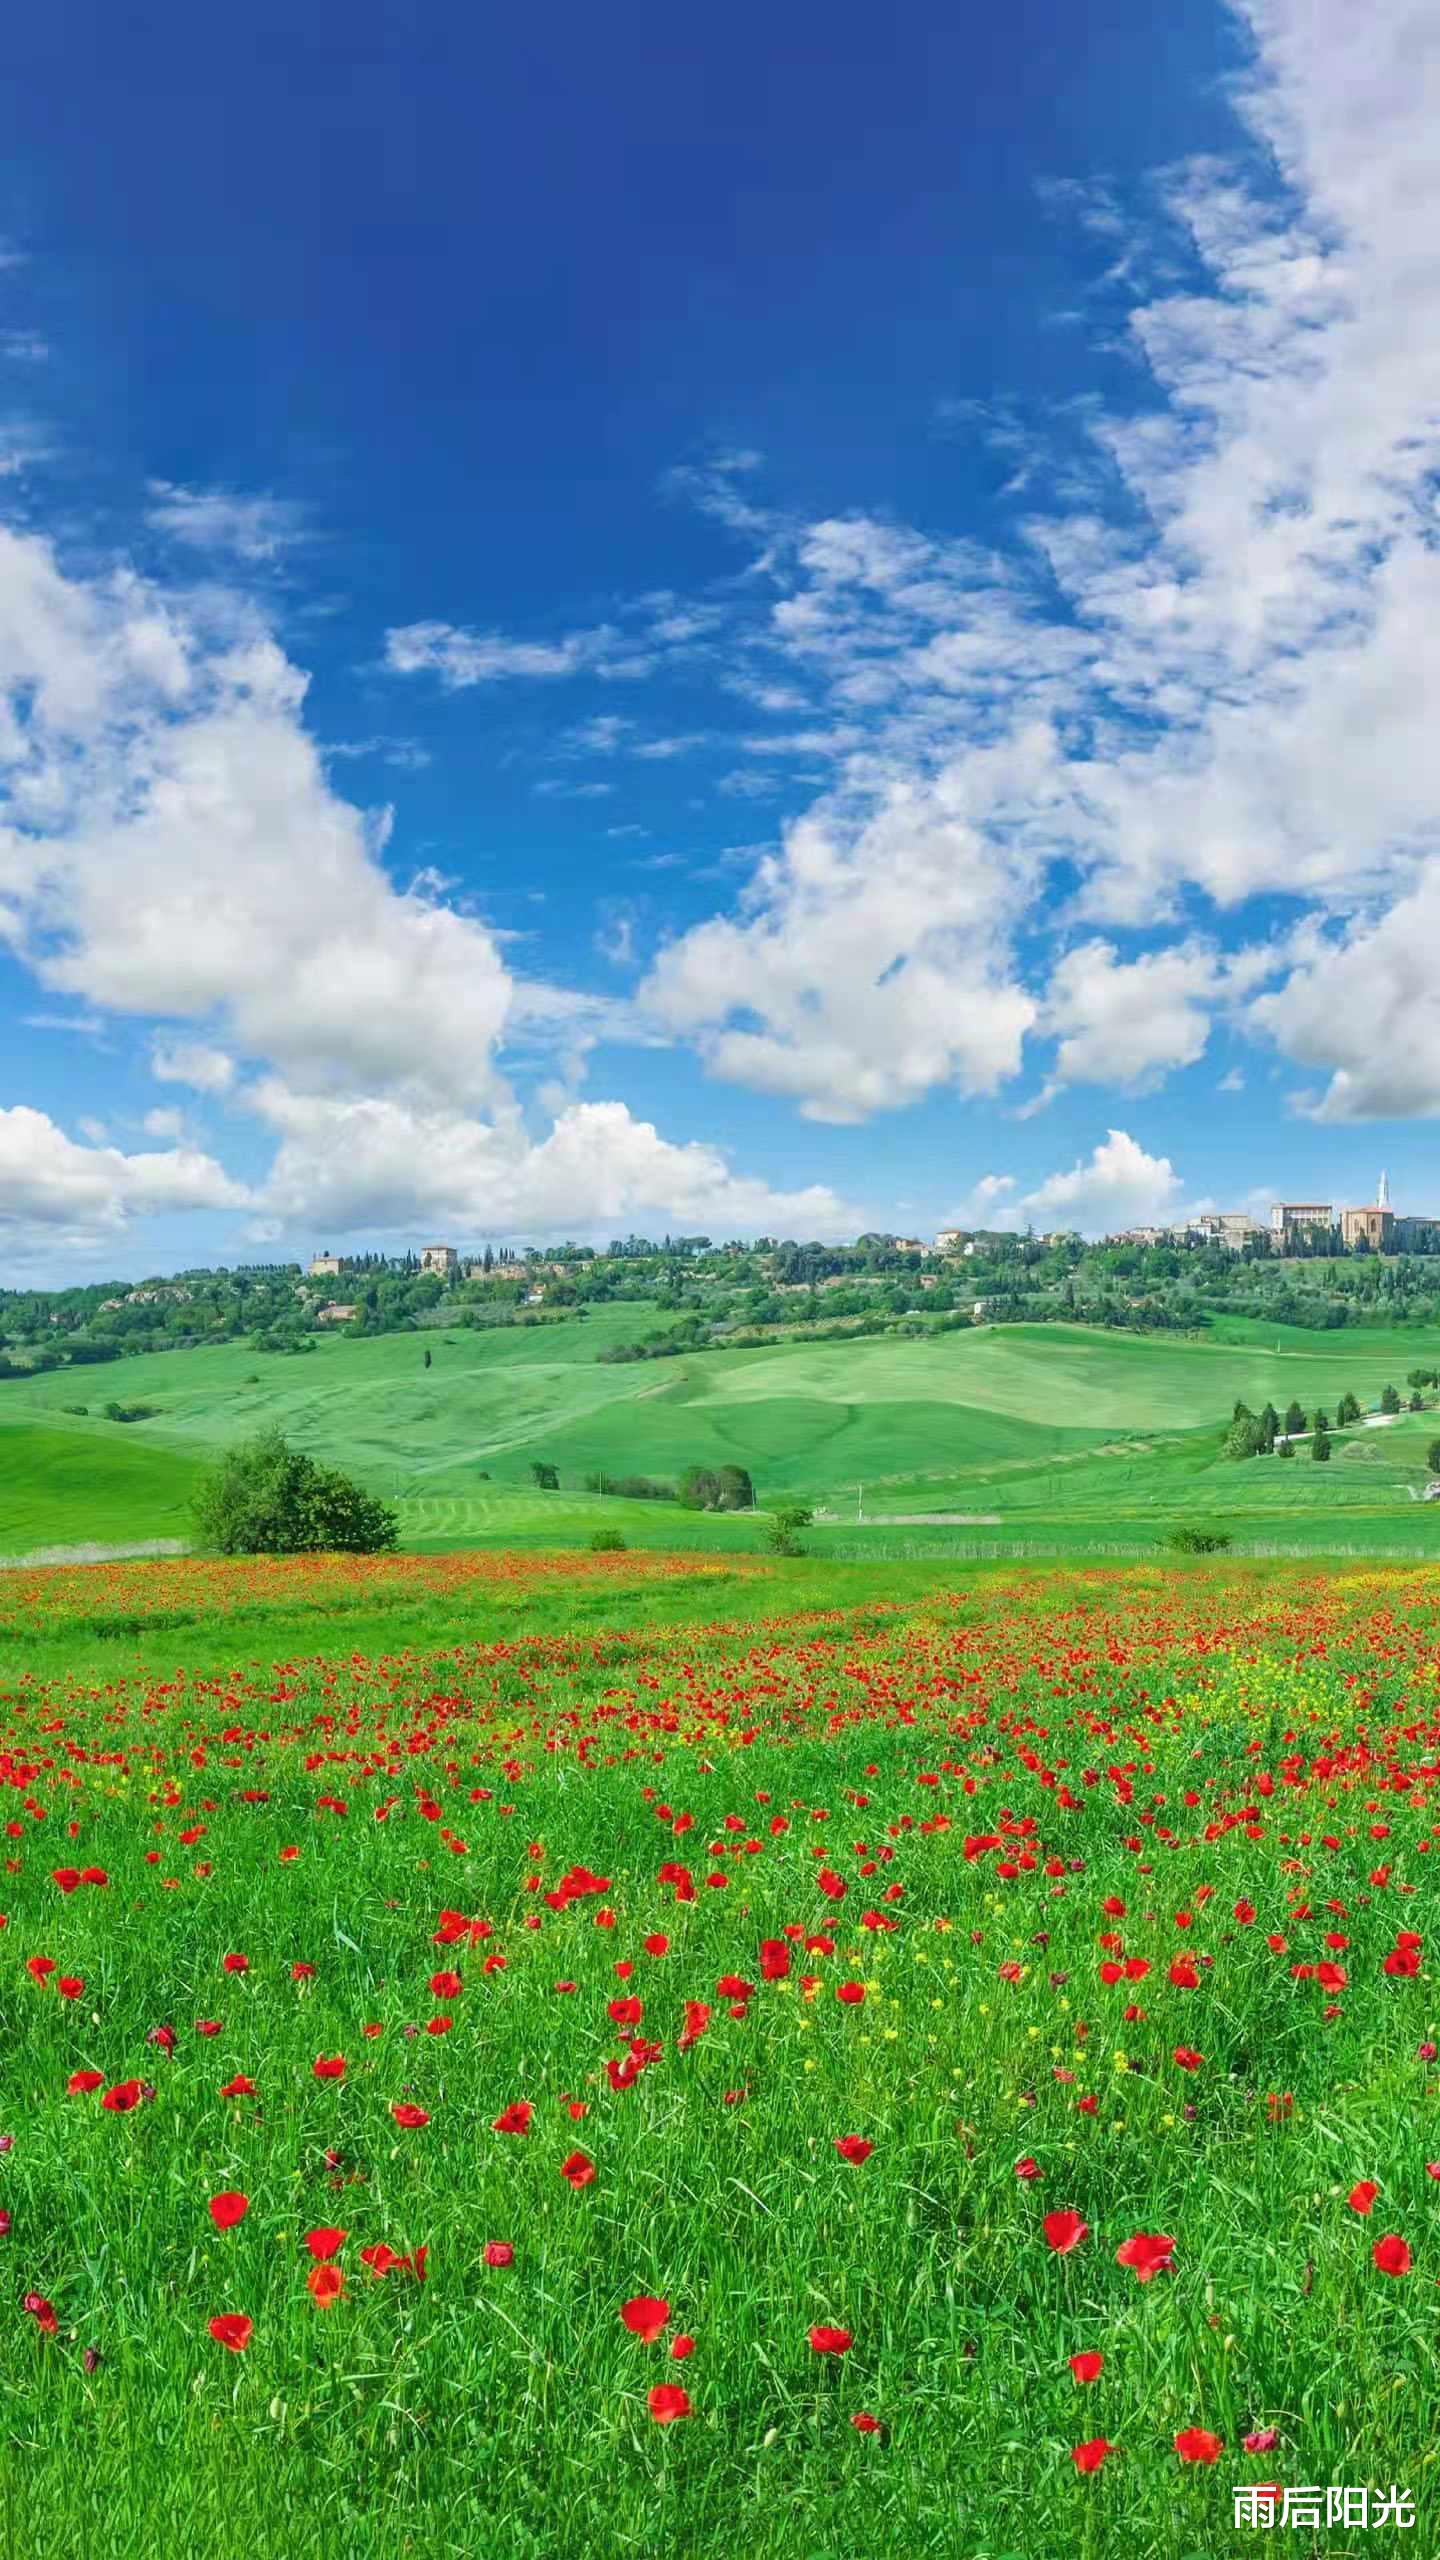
x=1051, y=1434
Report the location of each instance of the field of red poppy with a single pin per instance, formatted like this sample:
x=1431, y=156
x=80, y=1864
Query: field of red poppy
x=953, y=2075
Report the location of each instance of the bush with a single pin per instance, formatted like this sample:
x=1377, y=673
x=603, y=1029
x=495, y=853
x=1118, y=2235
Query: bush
x=266, y=1499
x=1432, y=1457
x=631, y=1488
x=1244, y=1438
x=1199, y=1542
x=784, y=1525
x=546, y=1477
x=1320, y=1444
x=1389, y=1399
x=129, y=1412
x=607, y=1542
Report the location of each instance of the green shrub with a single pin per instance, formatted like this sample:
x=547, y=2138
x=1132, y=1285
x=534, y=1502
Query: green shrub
x=266, y=1499
x=785, y=1523
x=607, y=1542
x=1189, y=1541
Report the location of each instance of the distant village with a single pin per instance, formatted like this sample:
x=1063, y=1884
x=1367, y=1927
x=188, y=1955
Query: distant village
x=1296, y=1229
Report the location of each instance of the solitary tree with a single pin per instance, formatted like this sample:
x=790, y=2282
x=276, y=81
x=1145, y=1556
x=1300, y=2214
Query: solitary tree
x=265, y=1498
x=1269, y=1425
x=1348, y=1409
x=1294, y=1418
x=546, y=1476
x=1320, y=1444
x=1389, y=1399
x=785, y=1525
x=1432, y=1457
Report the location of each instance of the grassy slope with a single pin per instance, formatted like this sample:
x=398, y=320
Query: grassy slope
x=1062, y=1435
x=60, y=1484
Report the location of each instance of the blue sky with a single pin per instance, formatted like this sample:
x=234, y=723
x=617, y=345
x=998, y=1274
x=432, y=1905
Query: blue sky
x=777, y=626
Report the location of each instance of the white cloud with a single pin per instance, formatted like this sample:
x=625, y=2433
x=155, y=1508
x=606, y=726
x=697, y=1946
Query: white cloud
x=462, y=658
x=171, y=846
x=191, y=1062
x=51, y=1187
x=254, y=529
x=1229, y=631
x=1118, y=1185
x=871, y=961
x=383, y=1165
x=164, y=1124
x=1365, y=1007
x=1129, y=1022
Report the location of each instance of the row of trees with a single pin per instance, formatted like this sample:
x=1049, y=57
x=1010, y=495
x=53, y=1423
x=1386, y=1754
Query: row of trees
x=1254, y=1435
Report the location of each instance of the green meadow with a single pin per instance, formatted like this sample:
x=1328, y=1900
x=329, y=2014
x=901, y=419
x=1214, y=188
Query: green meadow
x=1017, y=1439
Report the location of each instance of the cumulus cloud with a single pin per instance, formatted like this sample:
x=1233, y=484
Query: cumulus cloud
x=51, y=1187
x=171, y=846
x=382, y=1164
x=1128, y=1022
x=872, y=960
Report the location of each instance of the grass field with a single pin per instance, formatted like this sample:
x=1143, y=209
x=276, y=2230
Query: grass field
x=582, y=2056
x=1053, y=1436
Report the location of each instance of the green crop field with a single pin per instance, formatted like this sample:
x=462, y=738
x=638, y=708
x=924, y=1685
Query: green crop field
x=1051, y=1437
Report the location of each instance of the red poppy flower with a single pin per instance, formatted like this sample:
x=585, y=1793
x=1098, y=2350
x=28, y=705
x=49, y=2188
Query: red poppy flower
x=410, y=2117
x=853, y=2147
x=1392, y=2255
x=239, y=2087
x=80, y=2083
x=40, y=1967
x=70, y=1986
x=578, y=2169
x=864, y=2424
x=325, y=2240
x=1196, y=2444
x=1148, y=2252
x=234, y=1964
x=515, y=2118
x=665, y=2401
x=1088, y=2366
x=1262, y=2440
x=1187, y=2058
x=499, y=2253
x=325, y=2285
x=125, y=2095
x=232, y=2329
x=1027, y=2170
x=852, y=1993
x=1064, y=2231
x=42, y=2313
x=682, y=2347
x=382, y=2260
x=830, y=2342
x=228, y=2208
x=329, y=2066
x=1088, y=2457
x=1362, y=2195
x=446, y=1986
x=645, y=2315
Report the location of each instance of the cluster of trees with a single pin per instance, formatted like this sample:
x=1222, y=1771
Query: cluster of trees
x=1253, y=1435
x=265, y=1498
x=725, y=1488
